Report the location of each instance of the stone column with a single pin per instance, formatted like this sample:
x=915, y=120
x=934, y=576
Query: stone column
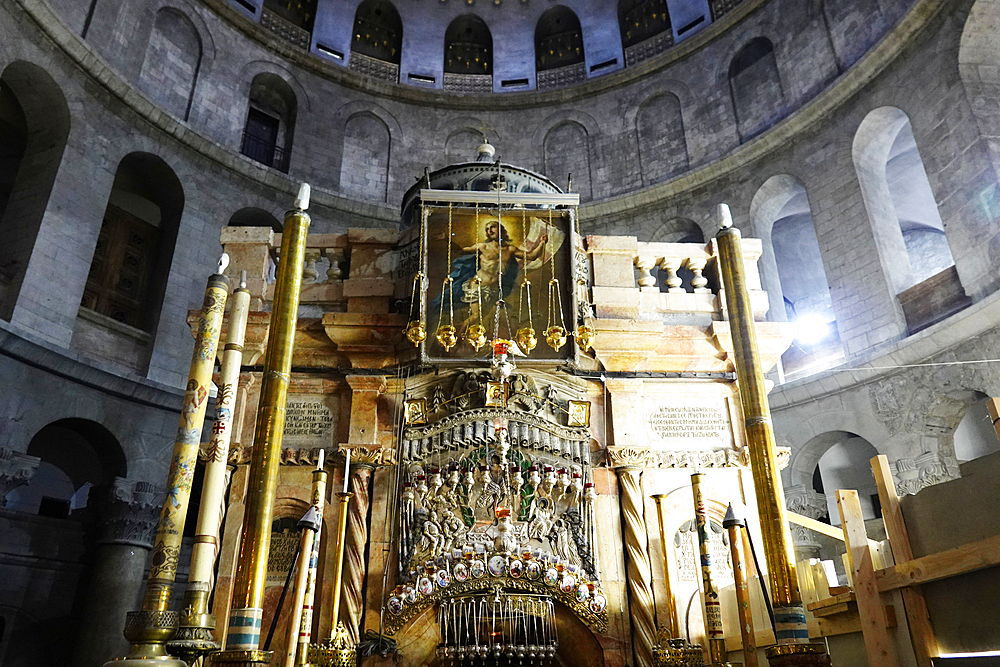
x=628, y=463
x=127, y=513
x=803, y=500
x=365, y=456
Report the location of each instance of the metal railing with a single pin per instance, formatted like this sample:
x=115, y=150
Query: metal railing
x=264, y=151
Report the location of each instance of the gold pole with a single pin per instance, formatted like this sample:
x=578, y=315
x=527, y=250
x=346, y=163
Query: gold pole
x=300, y=620
x=713, y=605
x=735, y=528
x=789, y=614
x=149, y=629
x=196, y=624
x=243, y=637
x=339, y=650
x=673, y=622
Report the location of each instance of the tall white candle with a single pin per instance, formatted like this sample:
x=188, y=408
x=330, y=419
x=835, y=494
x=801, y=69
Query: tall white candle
x=347, y=468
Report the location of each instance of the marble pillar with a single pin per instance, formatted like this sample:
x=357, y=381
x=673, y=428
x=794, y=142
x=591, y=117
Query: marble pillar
x=628, y=463
x=127, y=513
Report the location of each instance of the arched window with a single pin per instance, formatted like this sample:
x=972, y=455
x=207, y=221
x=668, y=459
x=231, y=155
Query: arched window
x=290, y=20
x=76, y=454
x=468, y=46
x=756, y=88
x=639, y=20
x=854, y=26
x=378, y=31
x=173, y=56
x=131, y=262
x=782, y=218
x=559, y=48
x=659, y=130
x=267, y=136
x=34, y=125
x=905, y=221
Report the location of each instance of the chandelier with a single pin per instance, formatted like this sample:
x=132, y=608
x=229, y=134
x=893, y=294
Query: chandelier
x=502, y=627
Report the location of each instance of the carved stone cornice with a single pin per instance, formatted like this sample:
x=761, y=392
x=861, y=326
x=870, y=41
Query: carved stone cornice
x=127, y=512
x=16, y=469
x=629, y=457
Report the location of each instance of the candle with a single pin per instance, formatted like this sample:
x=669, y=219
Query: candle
x=347, y=468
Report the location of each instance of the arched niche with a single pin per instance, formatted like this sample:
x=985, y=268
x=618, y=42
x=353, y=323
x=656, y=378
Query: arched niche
x=901, y=207
x=34, y=127
x=659, y=130
x=270, y=123
x=854, y=27
x=567, y=152
x=755, y=86
x=128, y=273
x=172, y=61
x=558, y=39
x=364, y=171
x=76, y=454
x=378, y=31
x=468, y=46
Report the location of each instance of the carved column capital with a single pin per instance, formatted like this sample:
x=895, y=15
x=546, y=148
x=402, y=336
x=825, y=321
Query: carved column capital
x=127, y=512
x=375, y=383
x=16, y=469
x=625, y=457
x=919, y=472
x=803, y=500
x=370, y=457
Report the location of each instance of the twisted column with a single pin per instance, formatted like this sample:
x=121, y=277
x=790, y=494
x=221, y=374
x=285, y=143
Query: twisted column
x=355, y=567
x=627, y=463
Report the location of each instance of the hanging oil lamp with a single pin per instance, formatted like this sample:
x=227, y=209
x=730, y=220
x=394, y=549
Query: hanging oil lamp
x=525, y=336
x=555, y=333
x=447, y=335
x=416, y=330
x=475, y=334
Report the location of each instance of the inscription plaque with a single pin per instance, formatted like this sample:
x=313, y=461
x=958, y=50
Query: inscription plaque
x=692, y=426
x=308, y=420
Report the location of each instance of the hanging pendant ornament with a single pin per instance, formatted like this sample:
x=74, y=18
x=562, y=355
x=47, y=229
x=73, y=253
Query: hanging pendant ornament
x=555, y=333
x=475, y=334
x=447, y=335
x=584, y=336
x=416, y=330
x=525, y=336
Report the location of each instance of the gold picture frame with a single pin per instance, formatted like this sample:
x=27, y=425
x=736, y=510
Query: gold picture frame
x=496, y=394
x=415, y=411
x=578, y=414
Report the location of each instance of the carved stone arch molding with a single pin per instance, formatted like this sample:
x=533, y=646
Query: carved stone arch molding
x=588, y=122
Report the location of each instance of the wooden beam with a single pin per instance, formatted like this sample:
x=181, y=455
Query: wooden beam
x=819, y=526
x=942, y=565
x=925, y=645
x=878, y=646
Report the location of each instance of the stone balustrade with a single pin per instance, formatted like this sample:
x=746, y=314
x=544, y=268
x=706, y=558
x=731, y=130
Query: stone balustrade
x=640, y=280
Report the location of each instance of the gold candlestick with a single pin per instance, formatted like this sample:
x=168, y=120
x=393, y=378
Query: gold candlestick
x=713, y=605
x=789, y=613
x=339, y=650
x=735, y=527
x=149, y=629
x=195, y=635
x=243, y=637
x=300, y=621
x=673, y=622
